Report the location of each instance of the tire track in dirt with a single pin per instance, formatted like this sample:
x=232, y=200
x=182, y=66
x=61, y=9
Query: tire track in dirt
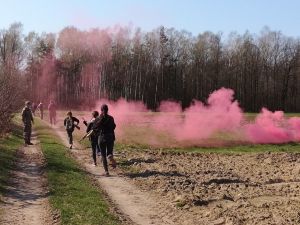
x=26, y=201
x=139, y=206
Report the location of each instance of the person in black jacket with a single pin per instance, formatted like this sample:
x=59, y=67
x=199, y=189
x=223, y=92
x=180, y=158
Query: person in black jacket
x=70, y=123
x=27, y=119
x=104, y=126
x=93, y=138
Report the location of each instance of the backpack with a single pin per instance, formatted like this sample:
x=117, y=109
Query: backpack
x=69, y=124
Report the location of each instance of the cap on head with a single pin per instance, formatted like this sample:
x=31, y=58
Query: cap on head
x=69, y=113
x=104, y=108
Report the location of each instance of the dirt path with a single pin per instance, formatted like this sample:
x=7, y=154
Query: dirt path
x=26, y=201
x=138, y=205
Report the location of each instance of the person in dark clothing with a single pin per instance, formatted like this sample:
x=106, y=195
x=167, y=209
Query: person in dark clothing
x=52, y=112
x=104, y=126
x=27, y=119
x=93, y=137
x=70, y=123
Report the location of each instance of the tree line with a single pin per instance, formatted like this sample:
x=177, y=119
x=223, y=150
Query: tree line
x=76, y=67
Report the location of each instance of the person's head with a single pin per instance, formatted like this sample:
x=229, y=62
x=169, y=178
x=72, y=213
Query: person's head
x=51, y=102
x=104, y=109
x=69, y=114
x=28, y=103
x=95, y=114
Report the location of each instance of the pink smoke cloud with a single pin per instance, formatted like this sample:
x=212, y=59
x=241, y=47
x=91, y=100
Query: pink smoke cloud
x=273, y=127
x=198, y=123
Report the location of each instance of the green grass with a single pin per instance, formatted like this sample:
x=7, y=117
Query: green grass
x=258, y=148
x=71, y=190
x=9, y=144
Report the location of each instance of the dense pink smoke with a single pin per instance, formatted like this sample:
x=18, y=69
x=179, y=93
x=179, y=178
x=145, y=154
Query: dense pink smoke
x=273, y=127
x=220, y=118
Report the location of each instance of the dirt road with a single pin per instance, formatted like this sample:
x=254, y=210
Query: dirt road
x=140, y=206
x=26, y=201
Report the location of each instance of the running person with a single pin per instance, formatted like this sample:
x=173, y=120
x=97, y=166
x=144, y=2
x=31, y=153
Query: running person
x=70, y=123
x=104, y=126
x=94, y=137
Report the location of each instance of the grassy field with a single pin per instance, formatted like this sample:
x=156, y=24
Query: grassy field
x=71, y=190
x=8, y=147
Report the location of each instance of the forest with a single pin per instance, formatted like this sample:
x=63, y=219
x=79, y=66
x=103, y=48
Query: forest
x=77, y=67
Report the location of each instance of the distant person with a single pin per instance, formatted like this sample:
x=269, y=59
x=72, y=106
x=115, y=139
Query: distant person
x=93, y=137
x=33, y=108
x=52, y=112
x=70, y=123
x=40, y=107
x=27, y=119
x=104, y=126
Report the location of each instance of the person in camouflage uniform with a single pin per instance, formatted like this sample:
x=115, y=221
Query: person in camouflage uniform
x=27, y=119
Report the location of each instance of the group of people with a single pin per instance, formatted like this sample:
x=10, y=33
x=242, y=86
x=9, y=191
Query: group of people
x=40, y=108
x=28, y=113
x=101, y=132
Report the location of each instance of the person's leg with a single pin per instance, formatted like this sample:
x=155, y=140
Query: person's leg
x=29, y=134
x=110, y=156
x=94, y=149
x=54, y=118
x=70, y=136
x=103, y=155
x=25, y=134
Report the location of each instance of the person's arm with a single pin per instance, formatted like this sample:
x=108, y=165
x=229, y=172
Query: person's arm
x=85, y=123
x=65, y=121
x=31, y=117
x=23, y=116
x=89, y=127
x=113, y=123
x=97, y=123
x=76, y=120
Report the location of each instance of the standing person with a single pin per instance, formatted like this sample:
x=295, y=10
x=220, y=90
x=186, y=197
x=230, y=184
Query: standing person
x=33, y=108
x=70, y=123
x=52, y=112
x=27, y=119
x=41, y=109
x=94, y=137
x=104, y=126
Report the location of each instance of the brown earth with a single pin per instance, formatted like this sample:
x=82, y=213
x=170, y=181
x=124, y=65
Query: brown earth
x=219, y=188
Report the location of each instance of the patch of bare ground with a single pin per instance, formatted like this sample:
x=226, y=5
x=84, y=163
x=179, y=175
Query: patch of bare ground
x=26, y=201
x=218, y=188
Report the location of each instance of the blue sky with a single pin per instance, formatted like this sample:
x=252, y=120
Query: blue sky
x=192, y=15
